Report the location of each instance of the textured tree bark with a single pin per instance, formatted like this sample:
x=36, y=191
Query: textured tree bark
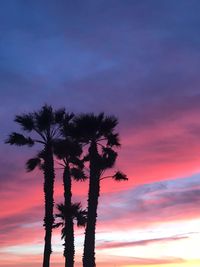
x=93, y=196
x=49, y=177
x=69, y=249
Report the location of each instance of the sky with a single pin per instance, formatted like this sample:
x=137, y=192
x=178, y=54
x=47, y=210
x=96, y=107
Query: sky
x=138, y=60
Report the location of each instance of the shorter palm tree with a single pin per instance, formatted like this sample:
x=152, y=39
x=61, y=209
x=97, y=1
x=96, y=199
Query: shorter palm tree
x=75, y=212
x=69, y=151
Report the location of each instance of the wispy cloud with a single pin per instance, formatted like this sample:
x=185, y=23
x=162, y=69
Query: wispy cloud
x=110, y=245
x=152, y=203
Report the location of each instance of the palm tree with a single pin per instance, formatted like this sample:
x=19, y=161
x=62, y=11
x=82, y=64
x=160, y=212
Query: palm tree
x=44, y=128
x=69, y=151
x=99, y=133
x=73, y=212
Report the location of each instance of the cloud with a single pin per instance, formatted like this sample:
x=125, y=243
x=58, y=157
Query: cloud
x=121, y=261
x=110, y=244
x=20, y=226
x=149, y=204
x=152, y=261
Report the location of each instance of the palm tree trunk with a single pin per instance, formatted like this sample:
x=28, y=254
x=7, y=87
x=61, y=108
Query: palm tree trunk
x=49, y=202
x=93, y=196
x=69, y=249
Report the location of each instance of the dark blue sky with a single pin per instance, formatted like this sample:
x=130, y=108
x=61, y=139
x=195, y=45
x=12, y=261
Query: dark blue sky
x=98, y=55
x=138, y=60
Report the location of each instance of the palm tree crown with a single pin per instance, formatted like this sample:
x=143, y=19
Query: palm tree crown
x=98, y=132
x=75, y=212
x=43, y=127
x=44, y=124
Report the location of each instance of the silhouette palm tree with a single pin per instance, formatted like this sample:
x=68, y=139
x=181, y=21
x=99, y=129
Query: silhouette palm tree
x=99, y=133
x=69, y=152
x=44, y=127
x=74, y=212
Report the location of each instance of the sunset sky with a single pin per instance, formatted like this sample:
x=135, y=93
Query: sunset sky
x=138, y=60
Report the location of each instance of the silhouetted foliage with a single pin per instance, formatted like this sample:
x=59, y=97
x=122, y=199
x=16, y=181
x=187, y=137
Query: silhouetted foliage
x=69, y=151
x=78, y=174
x=98, y=132
x=31, y=164
x=75, y=212
x=66, y=215
x=64, y=135
x=44, y=127
x=120, y=176
x=19, y=140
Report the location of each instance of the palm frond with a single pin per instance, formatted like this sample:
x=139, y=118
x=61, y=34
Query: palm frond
x=59, y=115
x=19, y=140
x=108, y=158
x=78, y=174
x=108, y=124
x=59, y=215
x=59, y=148
x=57, y=225
x=31, y=164
x=120, y=176
x=79, y=214
x=65, y=148
x=41, y=154
x=63, y=233
x=81, y=219
x=68, y=117
x=113, y=140
x=91, y=126
x=77, y=162
x=66, y=127
x=44, y=118
x=74, y=212
x=86, y=126
x=61, y=209
x=26, y=121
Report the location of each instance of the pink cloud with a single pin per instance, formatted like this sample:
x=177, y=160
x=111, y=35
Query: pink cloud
x=108, y=245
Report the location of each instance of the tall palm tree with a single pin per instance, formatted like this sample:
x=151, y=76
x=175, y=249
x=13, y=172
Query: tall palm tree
x=44, y=128
x=69, y=151
x=99, y=133
x=75, y=212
